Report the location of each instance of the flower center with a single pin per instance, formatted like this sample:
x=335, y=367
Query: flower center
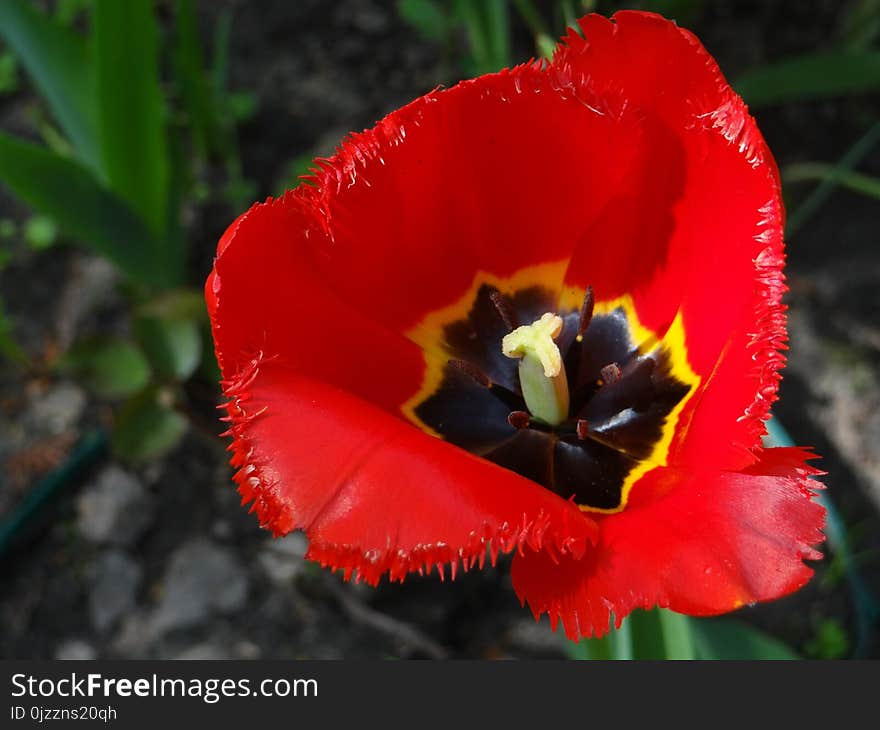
x=580, y=401
x=541, y=375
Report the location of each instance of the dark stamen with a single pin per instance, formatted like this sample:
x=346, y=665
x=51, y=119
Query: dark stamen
x=586, y=314
x=519, y=419
x=582, y=428
x=505, y=310
x=472, y=371
x=610, y=373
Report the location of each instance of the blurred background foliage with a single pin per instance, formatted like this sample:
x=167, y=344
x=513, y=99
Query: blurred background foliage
x=128, y=143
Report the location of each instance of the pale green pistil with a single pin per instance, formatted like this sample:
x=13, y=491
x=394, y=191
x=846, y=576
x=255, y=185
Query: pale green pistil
x=541, y=372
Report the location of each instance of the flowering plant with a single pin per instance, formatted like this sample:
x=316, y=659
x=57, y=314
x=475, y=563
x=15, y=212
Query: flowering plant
x=538, y=312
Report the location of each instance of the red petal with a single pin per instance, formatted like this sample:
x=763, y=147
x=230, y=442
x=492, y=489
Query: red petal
x=374, y=494
x=700, y=544
x=494, y=175
x=265, y=298
x=698, y=236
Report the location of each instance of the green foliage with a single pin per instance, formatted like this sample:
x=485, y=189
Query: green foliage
x=860, y=26
x=58, y=62
x=661, y=634
x=428, y=17
x=812, y=203
x=113, y=151
x=148, y=426
x=810, y=77
x=830, y=642
x=113, y=368
x=130, y=107
x=115, y=174
x=65, y=190
x=487, y=25
x=40, y=232
x=293, y=172
x=168, y=330
x=196, y=88
x=657, y=634
x=8, y=73
x=812, y=171
x=173, y=346
x=732, y=639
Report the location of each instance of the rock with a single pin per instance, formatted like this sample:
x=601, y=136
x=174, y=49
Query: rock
x=536, y=637
x=116, y=578
x=221, y=529
x=75, y=649
x=134, y=636
x=116, y=509
x=370, y=20
x=202, y=578
x=282, y=558
x=92, y=283
x=58, y=410
x=247, y=650
x=845, y=401
x=205, y=650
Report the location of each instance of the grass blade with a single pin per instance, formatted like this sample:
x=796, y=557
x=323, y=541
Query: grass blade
x=728, y=639
x=73, y=197
x=855, y=181
x=817, y=198
x=616, y=644
x=497, y=24
x=131, y=108
x=57, y=60
x=195, y=83
x=810, y=77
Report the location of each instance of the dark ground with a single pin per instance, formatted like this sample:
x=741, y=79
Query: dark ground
x=161, y=561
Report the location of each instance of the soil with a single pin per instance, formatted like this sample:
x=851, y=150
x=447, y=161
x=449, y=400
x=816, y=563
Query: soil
x=319, y=70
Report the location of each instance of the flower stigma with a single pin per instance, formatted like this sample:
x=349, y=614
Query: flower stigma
x=541, y=374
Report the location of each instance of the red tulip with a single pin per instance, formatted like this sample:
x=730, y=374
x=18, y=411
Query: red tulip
x=383, y=398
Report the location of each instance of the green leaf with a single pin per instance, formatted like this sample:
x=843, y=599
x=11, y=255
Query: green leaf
x=850, y=179
x=860, y=25
x=8, y=73
x=816, y=199
x=831, y=641
x=66, y=11
x=426, y=16
x=656, y=634
x=57, y=60
x=497, y=24
x=40, y=232
x=732, y=639
x=195, y=83
x=810, y=77
x=131, y=108
x=147, y=427
x=241, y=105
x=173, y=345
x=616, y=644
x=113, y=368
x=660, y=634
x=67, y=192
x=180, y=303
x=169, y=328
